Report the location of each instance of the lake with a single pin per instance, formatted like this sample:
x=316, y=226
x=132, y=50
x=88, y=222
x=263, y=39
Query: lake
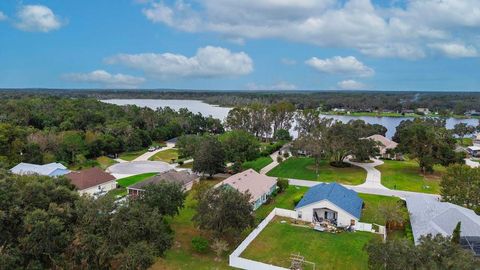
x=197, y=106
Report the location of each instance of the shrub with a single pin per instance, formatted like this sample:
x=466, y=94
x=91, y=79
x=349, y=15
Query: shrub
x=282, y=184
x=180, y=162
x=199, y=244
x=279, y=159
x=219, y=246
x=286, y=154
x=297, y=199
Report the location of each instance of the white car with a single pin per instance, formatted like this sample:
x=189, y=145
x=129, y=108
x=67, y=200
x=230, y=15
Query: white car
x=151, y=149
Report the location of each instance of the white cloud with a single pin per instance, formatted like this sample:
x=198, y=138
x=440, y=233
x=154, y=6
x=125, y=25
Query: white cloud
x=455, y=50
x=207, y=62
x=351, y=85
x=106, y=79
x=399, y=30
x=282, y=85
x=341, y=65
x=2, y=16
x=37, y=18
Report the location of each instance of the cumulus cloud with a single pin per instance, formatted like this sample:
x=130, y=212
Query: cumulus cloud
x=397, y=30
x=282, y=85
x=341, y=65
x=207, y=62
x=351, y=85
x=2, y=16
x=106, y=79
x=37, y=18
x=455, y=50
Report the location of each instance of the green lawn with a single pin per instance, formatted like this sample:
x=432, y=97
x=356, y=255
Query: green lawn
x=257, y=164
x=129, y=156
x=406, y=175
x=372, y=203
x=128, y=181
x=105, y=162
x=166, y=156
x=118, y=192
x=282, y=200
x=182, y=255
x=188, y=165
x=278, y=241
x=466, y=142
x=304, y=168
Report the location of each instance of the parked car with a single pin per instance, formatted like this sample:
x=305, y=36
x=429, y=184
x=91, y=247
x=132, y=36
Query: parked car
x=151, y=149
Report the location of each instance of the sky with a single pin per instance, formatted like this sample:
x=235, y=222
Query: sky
x=412, y=45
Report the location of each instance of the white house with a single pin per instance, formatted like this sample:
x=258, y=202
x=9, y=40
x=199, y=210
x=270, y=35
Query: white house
x=331, y=202
x=258, y=185
x=50, y=169
x=474, y=151
x=93, y=181
x=385, y=144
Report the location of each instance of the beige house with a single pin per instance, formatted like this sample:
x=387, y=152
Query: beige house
x=384, y=145
x=186, y=179
x=93, y=181
x=258, y=185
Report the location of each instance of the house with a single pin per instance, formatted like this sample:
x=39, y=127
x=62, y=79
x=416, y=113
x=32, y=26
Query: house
x=258, y=185
x=330, y=202
x=422, y=111
x=474, y=151
x=93, y=181
x=430, y=216
x=384, y=145
x=184, y=178
x=472, y=113
x=172, y=142
x=476, y=140
x=50, y=169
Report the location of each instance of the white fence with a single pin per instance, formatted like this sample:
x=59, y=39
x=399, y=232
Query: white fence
x=236, y=261
x=368, y=227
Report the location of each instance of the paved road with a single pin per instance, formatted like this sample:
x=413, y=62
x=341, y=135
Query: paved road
x=374, y=177
x=147, y=155
x=472, y=163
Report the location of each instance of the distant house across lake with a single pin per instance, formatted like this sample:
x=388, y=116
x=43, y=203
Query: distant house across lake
x=50, y=169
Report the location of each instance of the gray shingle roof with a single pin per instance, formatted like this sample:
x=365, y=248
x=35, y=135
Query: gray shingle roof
x=429, y=216
x=341, y=196
x=46, y=169
x=181, y=177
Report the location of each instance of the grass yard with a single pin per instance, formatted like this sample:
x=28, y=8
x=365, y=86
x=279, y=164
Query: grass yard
x=166, y=155
x=182, y=255
x=188, y=165
x=278, y=241
x=406, y=175
x=128, y=181
x=118, y=192
x=304, y=168
x=466, y=142
x=129, y=156
x=257, y=164
x=282, y=200
x=372, y=203
x=105, y=162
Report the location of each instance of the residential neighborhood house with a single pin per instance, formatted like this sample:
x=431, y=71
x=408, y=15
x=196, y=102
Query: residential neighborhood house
x=332, y=203
x=258, y=185
x=474, y=151
x=385, y=144
x=185, y=178
x=50, y=169
x=93, y=181
x=430, y=216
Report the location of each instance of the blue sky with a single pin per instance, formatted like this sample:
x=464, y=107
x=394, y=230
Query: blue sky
x=420, y=45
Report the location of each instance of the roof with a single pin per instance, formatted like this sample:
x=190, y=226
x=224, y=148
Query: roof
x=474, y=148
x=337, y=194
x=46, y=169
x=173, y=140
x=253, y=182
x=89, y=178
x=387, y=143
x=430, y=216
x=181, y=177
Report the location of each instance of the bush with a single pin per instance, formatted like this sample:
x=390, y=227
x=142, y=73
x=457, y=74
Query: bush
x=297, y=199
x=279, y=159
x=200, y=244
x=286, y=154
x=180, y=162
x=269, y=149
x=282, y=184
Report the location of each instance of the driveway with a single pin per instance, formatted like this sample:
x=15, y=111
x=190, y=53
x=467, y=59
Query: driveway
x=374, y=177
x=147, y=155
x=126, y=169
x=472, y=163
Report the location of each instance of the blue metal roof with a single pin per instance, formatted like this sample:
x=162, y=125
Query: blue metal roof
x=339, y=195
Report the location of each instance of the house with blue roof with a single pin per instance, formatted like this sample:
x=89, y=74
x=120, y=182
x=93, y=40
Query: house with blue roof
x=332, y=203
x=50, y=169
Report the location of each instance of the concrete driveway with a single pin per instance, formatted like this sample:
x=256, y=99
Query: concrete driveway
x=126, y=169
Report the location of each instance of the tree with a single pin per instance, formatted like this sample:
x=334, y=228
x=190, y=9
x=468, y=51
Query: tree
x=219, y=246
x=461, y=185
x=463, y=129
x=281, y=114
x=391, y=213
x=209, y=157
x=456, y=233
x=240, y=146
x=165, y=197
x=282, y=135
x=187, y=144
x=282, y=184
x=365, y=149
x=223, y=211
x=432, y=252
x=137, y=256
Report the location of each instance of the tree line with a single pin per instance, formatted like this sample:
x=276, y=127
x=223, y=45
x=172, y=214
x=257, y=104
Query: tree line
x=72, y=130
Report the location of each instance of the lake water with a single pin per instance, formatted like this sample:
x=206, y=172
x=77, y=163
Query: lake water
x=205, y=109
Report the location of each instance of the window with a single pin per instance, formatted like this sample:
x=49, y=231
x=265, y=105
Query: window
x=299, y=214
